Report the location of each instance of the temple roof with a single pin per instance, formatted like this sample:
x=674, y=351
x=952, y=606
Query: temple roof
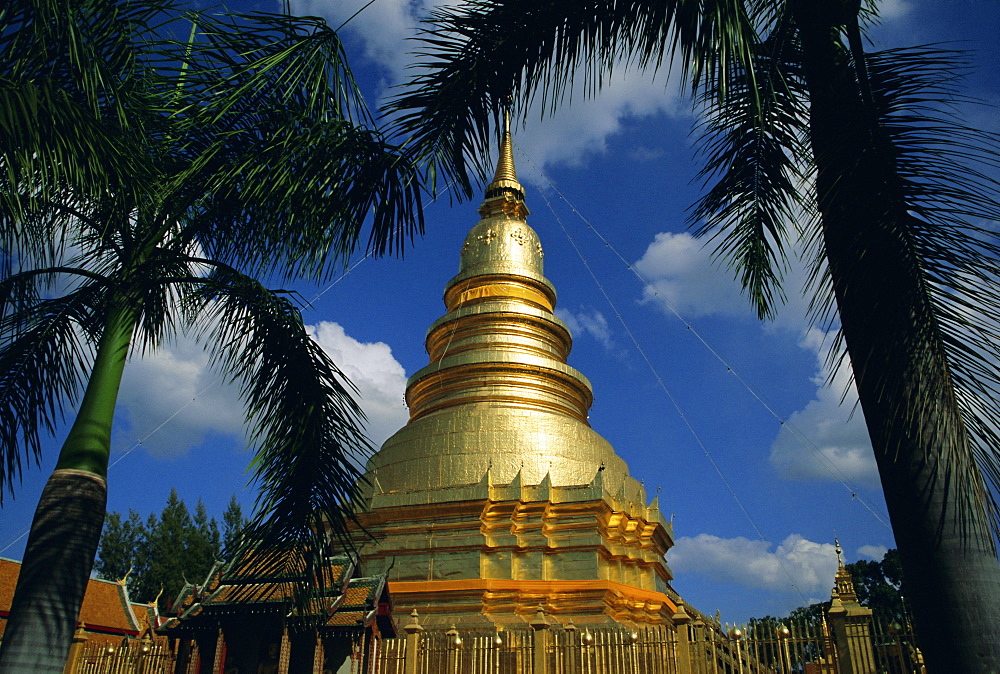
x=107, y=610
x=252, y=585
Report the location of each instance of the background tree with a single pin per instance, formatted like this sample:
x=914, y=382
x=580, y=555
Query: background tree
x=162, y=554
x=233, y=524
x=243, y=151
x=809, y=143
x=879, y=586
x=119, y=553
x=179, y=548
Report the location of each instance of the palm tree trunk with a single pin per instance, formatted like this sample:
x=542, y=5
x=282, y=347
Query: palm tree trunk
x=67, y=525
x=933, y=489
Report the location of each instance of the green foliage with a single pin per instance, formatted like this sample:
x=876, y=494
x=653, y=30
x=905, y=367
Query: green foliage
x=121, y=542
x=245, y=150
x=879, y=586
x=163, y=553
x=144, y=183
x=233, y=524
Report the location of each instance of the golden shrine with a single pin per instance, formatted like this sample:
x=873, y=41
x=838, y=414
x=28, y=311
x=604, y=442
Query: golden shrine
x=498, y=498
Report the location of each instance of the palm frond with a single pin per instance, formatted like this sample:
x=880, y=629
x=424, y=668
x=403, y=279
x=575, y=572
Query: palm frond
x=300, y=194
x=754, y=144
x=946, y=179
x=43, y=362
x=307, y=433
x=272, y=158
x=483, y=55
x=68, y=89
x=297, y=60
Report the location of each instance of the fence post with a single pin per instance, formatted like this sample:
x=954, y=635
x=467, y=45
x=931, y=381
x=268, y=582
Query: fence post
x=219, y=659
x=682, y=646
x=572, y=648
x=79, y=639
x=454, y=650
x=850, y=624
x=319, y=654
x=285, y=652
x=851, y=630
x=540, y=642
x=413, y=630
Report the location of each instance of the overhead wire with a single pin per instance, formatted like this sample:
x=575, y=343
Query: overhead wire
x=744, y=381
x=670, y=396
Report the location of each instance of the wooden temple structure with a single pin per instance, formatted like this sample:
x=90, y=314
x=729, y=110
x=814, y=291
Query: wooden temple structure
x=244, y=618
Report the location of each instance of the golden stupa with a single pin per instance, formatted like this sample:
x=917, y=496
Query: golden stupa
x=497, y=497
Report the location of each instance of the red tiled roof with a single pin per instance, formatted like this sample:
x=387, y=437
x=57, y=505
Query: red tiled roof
x=105, y=610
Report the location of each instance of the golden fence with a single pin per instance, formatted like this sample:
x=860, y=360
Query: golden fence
x=124, y=657
x=549, y=650
x=700, y=647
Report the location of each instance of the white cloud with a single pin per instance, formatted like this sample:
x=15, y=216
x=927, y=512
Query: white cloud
x=876, y=552
x=575, y=132
x=568, y=136
x=384, y=27
x=173, y=397
x=827, y=439
x=380, y=379
x=893, y=9
x=683, y=277
x=172, y=400
x=587, y=322
x=797, y=565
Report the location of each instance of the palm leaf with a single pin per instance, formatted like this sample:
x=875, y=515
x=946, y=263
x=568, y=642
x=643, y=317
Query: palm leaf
x=270, y=157
x=68, y=88
x=308, y=431
x=755, y=148
x=945, y=175
x=44, y=351
x=481, y=56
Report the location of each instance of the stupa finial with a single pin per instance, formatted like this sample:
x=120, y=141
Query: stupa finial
x=505, y=162
x=504, y=194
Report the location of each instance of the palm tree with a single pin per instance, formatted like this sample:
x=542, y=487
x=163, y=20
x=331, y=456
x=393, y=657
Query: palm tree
x=808, y=141
x=175, y=173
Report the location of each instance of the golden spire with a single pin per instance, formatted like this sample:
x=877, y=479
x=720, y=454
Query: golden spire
x=504, y=195
x=843, y=582
x=505, y=162
x=497, y=395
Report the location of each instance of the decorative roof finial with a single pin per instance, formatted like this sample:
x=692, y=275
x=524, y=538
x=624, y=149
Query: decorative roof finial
x=504, y=194
x=505, y=162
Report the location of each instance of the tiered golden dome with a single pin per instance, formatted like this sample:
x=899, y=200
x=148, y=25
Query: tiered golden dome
x=497, y=396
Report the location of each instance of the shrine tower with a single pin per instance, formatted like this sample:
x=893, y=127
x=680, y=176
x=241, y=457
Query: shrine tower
x=497, y=496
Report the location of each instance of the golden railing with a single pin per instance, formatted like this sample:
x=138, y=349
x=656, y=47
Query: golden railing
x=699, y=647
x=133, y=656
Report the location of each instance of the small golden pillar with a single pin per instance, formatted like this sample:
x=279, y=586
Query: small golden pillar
x=540, y=642
x=319, y=654
x=75, y=649
x=682, y=621
x=850, y=624
x=413, y=631
x=285, y=653
x=219, y=659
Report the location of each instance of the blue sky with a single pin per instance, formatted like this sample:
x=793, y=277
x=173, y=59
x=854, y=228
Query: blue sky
x=758, y=463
